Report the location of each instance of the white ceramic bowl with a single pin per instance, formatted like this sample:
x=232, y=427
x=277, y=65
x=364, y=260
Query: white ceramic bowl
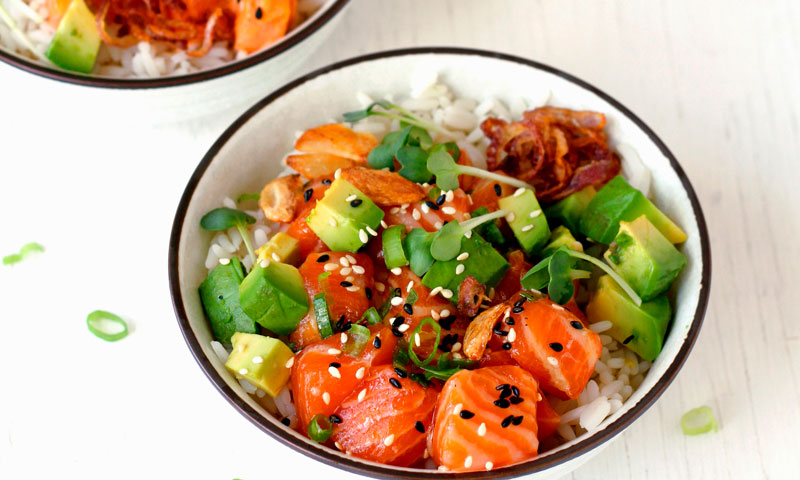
x=245, y=158
x=164, y=100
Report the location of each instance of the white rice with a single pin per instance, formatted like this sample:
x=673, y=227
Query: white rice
x=143, y=60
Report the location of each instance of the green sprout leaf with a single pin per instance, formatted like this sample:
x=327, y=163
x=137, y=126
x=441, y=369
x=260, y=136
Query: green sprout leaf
x=246, y=197
x=394, y=112
x=12, y=259
x=362, y=114
x=446, y=244
x=418, y=245
x=443, y=165
x=414, y=162
x=224, y=218
x=24, y=252
x=560, y=287
x=381, y=157
x=419, y=137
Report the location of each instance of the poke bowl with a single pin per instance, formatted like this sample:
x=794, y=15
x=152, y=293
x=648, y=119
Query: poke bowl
x=437, y=354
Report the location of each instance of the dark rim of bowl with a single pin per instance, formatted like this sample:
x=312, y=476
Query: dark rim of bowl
x=302, y=32
x=377, y=471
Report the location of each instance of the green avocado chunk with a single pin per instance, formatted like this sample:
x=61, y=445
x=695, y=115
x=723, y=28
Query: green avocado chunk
x=567, y=211
x=561, y=237
x=261, y=361
x=641, y=329
x=283, y=246
x=76, y=41
x=489, y=230
x=273, y=295
x=644, y=258
x=219, y=293
x=617, y=201
x=483, y=262
x=527, y=221
x=344, y=217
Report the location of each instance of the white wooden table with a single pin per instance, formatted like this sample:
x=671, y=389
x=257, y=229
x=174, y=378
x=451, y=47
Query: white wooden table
x=718, y=80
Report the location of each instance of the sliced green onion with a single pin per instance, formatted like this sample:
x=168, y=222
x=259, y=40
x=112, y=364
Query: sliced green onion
x=357, y=339
x=400, y=355
x=393, y=253
x=447, y=366
x=30, y=248
x=322, y=276
x=98, y=323
x=323, y=316
x=603, y=266
x=387, y=305
x=320, y=429
x=435, y=326
x=372, y=316
x=412, y=297
x=248, y=196
x=12, y=259
x=698, y=420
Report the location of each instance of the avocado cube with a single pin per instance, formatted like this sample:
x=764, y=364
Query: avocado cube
x=489, y=230
x=273, y=295
x=641, y=329
x=616, y=202
x=344, y=217
x=644, y=258
x=483, y=262
x=76, y=41
x=527, y=221
x=561, y=237
x=568, y=211
x=282, y=245
x=261, y=361
x=219, y=294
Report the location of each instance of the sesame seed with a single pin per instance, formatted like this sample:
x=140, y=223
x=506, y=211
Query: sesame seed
x=552, y=361
x=463, y=256
x=457, y=408
x=497, y=189
x=425, y=208
x=259, y=13
x=448, y=197
x=345, y=271
x=323, y=258
x=435, y=315
x=441, y=199
x=326, y=397
x=456, y=347
x=510, y=217
x=397, y=321
x=351, y=259
x=506, y=346
x=436, y=290
x=408, y=308
x=334, y=372
x=276, y=257
x=446, y=293
x=628, y=340
x=557, y=307
x=257, y=359
x=459, y=269
x=380, y=286
x=353, y=288
x=535, y=213
x=557, y=347
x=439, y=225
x=489, y=466
x=224, y=261
x=403, y=327
x=372, y=231
x=466, y=414
x=337, y=445
x=362, y=235
x=290, y=362
x=345, y=283
x=404, y=206
x=419, y=426
x=334, y=351
x=426, y=454
x=469, y=197
x=415, y=213
x=416, y=339
x=482, y=429
x=400, y=372
x=242, y=371
x=468, y=234
x=468, y=462
x=356, y=203
x=395, y=383
x=362, y=394
x=519, y=192
x=337, y=173
x=330, y=267
x=397, y=301
x=388, y=440
x=384, y=225
x=351, y=198
x=518, y=400
x=264, y=263
x=431, y=205
x=284, y=420
x=512, y=335
x=396, y=271
x=448, y=210
x=410, y=285
x=360, y=373
x=394, y=210
x=332, y=222
x=442, y=468
x=507, y=421
x=445, y=313
x=527, y=228
x=343, y=337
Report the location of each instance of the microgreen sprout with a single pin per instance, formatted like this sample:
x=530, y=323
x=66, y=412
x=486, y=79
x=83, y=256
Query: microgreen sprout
x=444, y=167
x=225, y=218
x=408, y=146
x=394, y=112
x=24, y=252
x=446, y=244
x=248, y=196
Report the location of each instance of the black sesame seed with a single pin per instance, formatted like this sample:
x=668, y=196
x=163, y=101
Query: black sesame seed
x=397, y=292
x=368, y=292
x=519, y=302
x=506, y=346
x=355, y=202
x=285, y=421
x=220, y=297
x=576, y=325
x=515, y=400
x=501, y=403
x=505, y=393
x=517, y=309
x=515, y=391
x=397, y=333
x=507, y=421
x=466, y=414
x=497, y=189
x=517, y=420
x=420, y=427
x=446, y=323
x=335, y=418
x=323, y=258
x=259, y=13
x=440, y=199
x=395, y=382
x=557, y=347
x=347, y=326
x=408, y=308
x=432, y=205
x=326, y=181
x=400, y=372
x=345, y=283
x=339, y=323
x=377, y=342
x=500, y=331
x=627, y=340
x=502, y=386
x=510, y=321
x=335, y=364
x=398, y=321
x=307, y=194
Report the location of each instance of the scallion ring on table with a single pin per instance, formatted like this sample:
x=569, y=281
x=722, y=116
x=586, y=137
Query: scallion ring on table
x=97, y=323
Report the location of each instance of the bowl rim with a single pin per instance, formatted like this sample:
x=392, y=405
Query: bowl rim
x=375, y=470
x=303, y=31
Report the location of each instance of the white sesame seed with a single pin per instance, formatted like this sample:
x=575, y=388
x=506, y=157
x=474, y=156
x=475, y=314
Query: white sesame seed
x=353, y=288
x=359, y=269
x=394, y=210
x=380, y=286
x=388, y=440
x=337, y=445
x=344, y=262
x=438, y=225
x=415, y=213
x=510, y=217
x=257, y=359
x=448, y=210
x=468, y=462
x=468, y=234
x=456, y=347
x=264, y=263
x=448, y=197
x=362, y=235
x=343, y=337
x=457, y=408
x=482, y=429
x=334, y=372
x=527, y=228
x=552, y=361
x=489, y=466
x=426, y=454
x=463, y=256
x=351, y=259
x=507, y=313
x=426, y=185
x=519, y=192
x=435, y=291
x=512, y=335
x=334, y=351
x=402, y=328
x=384, y=225
x=351, y=198
x=425, y=208
x=538, y=397
x=396, y=271
x=337, y=173
x=416, y=339
x=557, y=307
x=332, y=222
x=445, y=313
x=360, y=373
x=404, y=206
x=330, y=267
x=410, y=285
x=397, y=301
x=442, y=468
x=350, y=278
x=242, y=371
x=372, y=231
x=362, y=393
x=435, y=315
x=326, y=397
x=447, y=293
x=535, y=213
x=345, y=271
x=459, y=269
x=457, y=356
x=290, y=362
x=276, y=257
x=224, y=261
x=469, y=197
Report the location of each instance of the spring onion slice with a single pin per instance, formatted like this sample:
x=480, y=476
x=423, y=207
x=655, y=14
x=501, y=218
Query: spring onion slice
x=447, y=366
x=12, y=259
x=400, y=355
x=97, y=324
x=248, y=196
x=412, y=297
x=698, y=420
x=435, y=326
x=603, y=266
x=30, y=248
x=320, y=428
x=12, y=25
x=393, y=253
x=357, y=339
x=372, y=316
x=323, y=316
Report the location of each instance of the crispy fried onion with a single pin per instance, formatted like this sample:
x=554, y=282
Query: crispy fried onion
x=556, y=150
x=471, y=294
x=123, y=23
x=479, y=331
